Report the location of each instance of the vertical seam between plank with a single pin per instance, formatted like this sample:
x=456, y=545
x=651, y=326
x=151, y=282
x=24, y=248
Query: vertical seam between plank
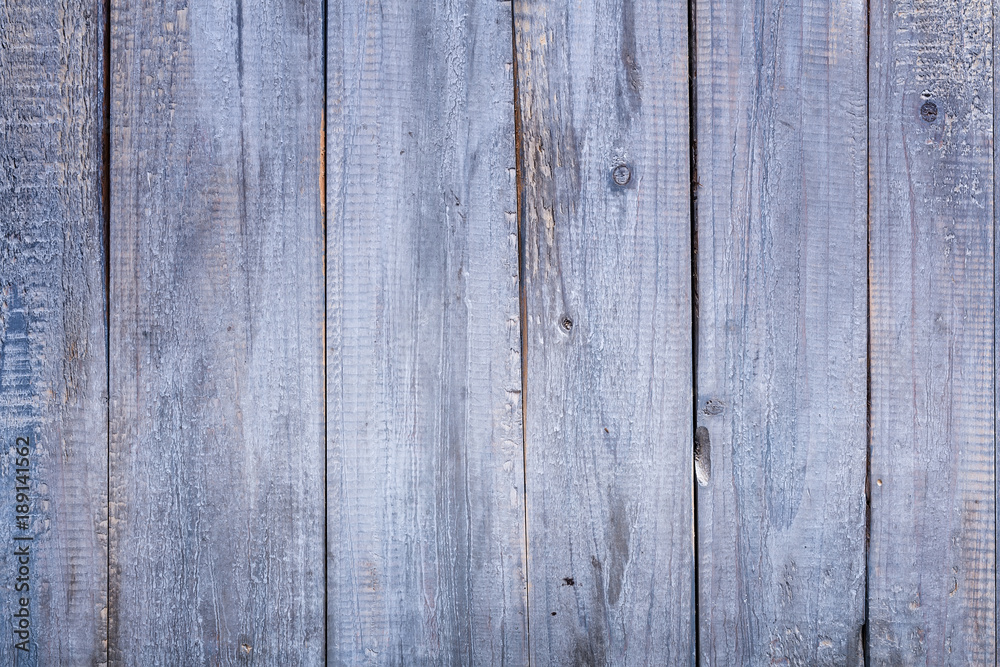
x=865, y=641
x=106, y=223
x=693, y=213
x=326, y=427
x=993, y=301
x=523, y=307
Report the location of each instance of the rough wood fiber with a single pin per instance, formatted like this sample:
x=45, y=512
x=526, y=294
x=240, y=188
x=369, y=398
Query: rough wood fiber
x=781, y=362
x=216, y=334
x=425, y=474
x=607, y=283
x=996, y=325
x=931, y=566
x=53, y=362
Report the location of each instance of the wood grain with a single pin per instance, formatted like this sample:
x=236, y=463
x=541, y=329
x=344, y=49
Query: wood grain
x=932, y=556
x=53, y=361
x=217, y=413
x=782, y=253
x=425, y=473
x=607, y=284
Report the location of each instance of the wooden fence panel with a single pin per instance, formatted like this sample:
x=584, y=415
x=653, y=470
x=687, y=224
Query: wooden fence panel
x=932, y=553
x=425, y=476
x=217, y=412
x=53, y=361
x=781, y=362
x=605, y=204
x=402, y=356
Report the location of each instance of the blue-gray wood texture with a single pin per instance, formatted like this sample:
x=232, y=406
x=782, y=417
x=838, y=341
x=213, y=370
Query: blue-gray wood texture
x=425, y=476
x=217, y=413
x=782, y=331
x=426, y=344
x=605, y=215
x=932, y=558
x=53, y=361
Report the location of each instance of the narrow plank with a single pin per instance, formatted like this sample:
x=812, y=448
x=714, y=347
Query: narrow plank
x=603, y=88
x=53, y=360
x=932, y=588
x=425, y=473
x=782, y=331
x=996, y=325
x=216, y=334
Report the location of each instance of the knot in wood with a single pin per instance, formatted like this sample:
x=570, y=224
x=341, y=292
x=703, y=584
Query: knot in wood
x=928, y=111
x=621, y=174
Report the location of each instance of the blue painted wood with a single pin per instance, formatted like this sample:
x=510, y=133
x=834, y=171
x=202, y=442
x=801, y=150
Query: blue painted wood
x=384, y=392
x=217, y=414
x=605, y=214
x=782, y=331
x=425, y=476
x=53, y=362
x=932, y=560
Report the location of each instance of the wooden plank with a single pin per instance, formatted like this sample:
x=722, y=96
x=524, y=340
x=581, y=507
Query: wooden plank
x=932, y=559
x=781, y=367
x=53, y=360
x=996, y=325
x=603, y=92
x=217, y=412
x=425, y=474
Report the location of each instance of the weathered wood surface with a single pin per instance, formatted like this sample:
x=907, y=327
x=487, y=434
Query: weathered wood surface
x=607, y=289
x=932, y=587
x=781, y=361
x=425, y=476
x=53, y=362
x=217, y=412
x=510, y=413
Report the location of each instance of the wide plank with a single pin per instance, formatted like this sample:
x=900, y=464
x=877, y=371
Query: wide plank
x=782, y=331
x=605, y=214
x=932, y=586
x=425, y=475
x=217, y=444
x=53, y=359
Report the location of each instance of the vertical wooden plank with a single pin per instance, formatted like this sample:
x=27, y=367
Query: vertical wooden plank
x=53, y=361
x=782, y=256
x=216, y=334
x=932, y=560
x=425, y=475
x=603, y=92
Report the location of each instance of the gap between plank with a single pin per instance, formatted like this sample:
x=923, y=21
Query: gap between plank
x=523, y=304
x=106, y=223
x=693, y=168
x=326, y=440
x=868, y=331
